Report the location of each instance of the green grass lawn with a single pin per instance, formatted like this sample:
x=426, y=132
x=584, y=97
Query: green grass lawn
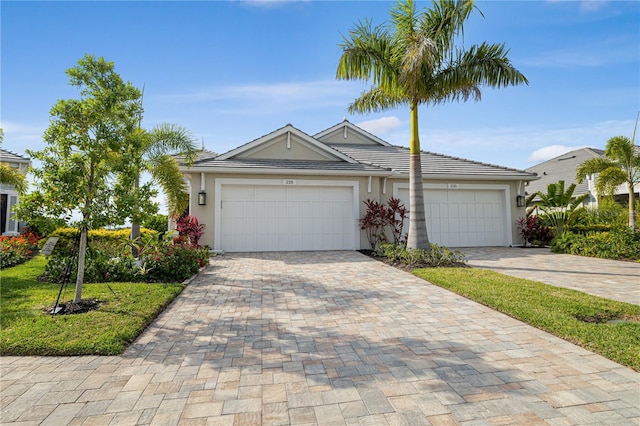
x=552, y=309
x=26, y=328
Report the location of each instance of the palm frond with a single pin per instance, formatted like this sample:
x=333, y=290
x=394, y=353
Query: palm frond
x=592, y=166
x=13, y=177
x=376, y=100
x=171, y=139
x=167, y=174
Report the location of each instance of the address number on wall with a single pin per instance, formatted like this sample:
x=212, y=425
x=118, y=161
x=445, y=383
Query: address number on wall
x=288, y=181
x=453, y=186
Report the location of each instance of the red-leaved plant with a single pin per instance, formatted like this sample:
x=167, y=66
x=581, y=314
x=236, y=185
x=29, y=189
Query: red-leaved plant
x=189, y=228
x=380, y=216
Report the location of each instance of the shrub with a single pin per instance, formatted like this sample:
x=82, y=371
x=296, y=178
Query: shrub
x=437, y=256
x=189, y=228
x=107, y=241
x=379, y=217
x=619, y=243
x=533, y=231
x=159, y=261
x=15, y=250
x=156, y=222
x=175, y=264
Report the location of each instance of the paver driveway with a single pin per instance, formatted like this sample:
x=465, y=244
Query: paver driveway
x=324, y=338
x=612, y=279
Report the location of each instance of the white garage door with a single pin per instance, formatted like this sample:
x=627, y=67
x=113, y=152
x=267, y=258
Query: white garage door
x=464, y=217
x=286, y=218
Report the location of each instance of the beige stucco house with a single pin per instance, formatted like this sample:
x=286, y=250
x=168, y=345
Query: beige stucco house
x=289, y=191
x=8, y=194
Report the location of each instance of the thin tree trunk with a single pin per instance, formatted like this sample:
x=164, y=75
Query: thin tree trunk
x=82, y=250
x=418, y=237
x=135, y=227
x=632, y=207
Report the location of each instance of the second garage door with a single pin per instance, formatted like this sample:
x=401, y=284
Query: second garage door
x=464, y=217
x=286, y=217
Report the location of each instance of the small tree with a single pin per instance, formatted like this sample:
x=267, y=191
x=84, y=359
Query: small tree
x=86, y=149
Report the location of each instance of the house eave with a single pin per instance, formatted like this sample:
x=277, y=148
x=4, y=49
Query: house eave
x=301, y=172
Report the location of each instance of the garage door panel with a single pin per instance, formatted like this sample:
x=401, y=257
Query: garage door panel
x=273, y=217
x=464, y=217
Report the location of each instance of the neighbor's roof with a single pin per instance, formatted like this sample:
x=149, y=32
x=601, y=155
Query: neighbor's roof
x=563, y=167
x=433, y=165
x=11, y=157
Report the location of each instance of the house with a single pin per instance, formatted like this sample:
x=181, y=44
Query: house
x=289, y=191
x=8, y=194
x=564, y=167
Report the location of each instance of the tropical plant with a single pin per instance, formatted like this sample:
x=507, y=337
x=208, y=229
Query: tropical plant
x=153, y=153
x=621, y=165
x=379, y=217
x=533, y=231
x=11, y=176
x=559, y=207
x=189, y=229
x=86, y=148
x=415, y=60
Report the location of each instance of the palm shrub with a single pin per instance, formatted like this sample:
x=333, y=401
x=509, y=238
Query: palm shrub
x=559, y=207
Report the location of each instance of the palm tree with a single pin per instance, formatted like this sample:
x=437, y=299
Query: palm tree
x=156, y=149
x=414, y=60
x=620, y=165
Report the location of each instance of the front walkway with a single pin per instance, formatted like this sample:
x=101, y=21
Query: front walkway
x=324, y=338
x=612, y=279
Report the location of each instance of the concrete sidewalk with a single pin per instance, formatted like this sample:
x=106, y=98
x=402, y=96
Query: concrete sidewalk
x=324, y=338
x=612, y=279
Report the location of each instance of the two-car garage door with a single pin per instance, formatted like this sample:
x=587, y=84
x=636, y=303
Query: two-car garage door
x=286, y=215
x=464, y=217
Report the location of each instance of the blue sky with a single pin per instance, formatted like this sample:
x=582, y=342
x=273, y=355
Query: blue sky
x=232, y=71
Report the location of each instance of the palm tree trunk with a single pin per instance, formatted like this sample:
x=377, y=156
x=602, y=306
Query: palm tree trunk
x=418, y=237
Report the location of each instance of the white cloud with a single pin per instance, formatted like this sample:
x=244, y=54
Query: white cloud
x=272, y=98
x=381, y=125
x=549, y=152
x=18, y=136
x=270, y=3
x=592, y=5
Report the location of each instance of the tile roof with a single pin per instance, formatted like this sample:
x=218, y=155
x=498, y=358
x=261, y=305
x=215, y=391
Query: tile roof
x=289, y=165
x=397, y=158
x=562, y=167
x=8, y=156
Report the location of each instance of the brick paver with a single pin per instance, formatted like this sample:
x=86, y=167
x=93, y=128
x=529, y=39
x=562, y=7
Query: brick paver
x=613, y=279
x=324, y=338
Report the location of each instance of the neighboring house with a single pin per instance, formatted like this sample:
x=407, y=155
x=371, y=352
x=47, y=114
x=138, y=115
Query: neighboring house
x=563, y=167
x=288, y=190
x=8, y=195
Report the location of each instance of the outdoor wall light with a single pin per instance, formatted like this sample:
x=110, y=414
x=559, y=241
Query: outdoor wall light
x=202, y=198
x=520, y=200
